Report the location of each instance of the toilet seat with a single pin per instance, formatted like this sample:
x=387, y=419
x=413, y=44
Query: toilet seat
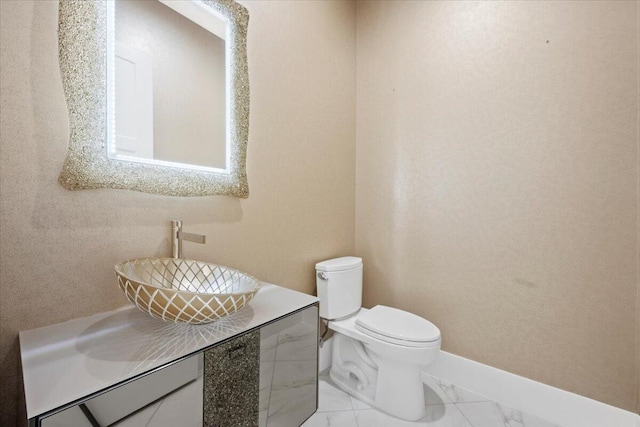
x=397, y=327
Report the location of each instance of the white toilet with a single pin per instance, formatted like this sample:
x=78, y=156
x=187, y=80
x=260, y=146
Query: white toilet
x=378, y=354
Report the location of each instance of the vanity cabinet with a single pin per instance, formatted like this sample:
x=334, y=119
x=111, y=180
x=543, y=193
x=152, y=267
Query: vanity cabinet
x=249, y=369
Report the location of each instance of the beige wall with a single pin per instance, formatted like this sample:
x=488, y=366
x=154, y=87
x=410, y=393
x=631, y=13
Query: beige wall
x=58, y=247
x=497, y=181
x=496, y=178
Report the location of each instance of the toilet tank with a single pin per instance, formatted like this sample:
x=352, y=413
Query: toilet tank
x=339, y=283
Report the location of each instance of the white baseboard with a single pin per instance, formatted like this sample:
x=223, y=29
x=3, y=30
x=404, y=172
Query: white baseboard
x=552, y=404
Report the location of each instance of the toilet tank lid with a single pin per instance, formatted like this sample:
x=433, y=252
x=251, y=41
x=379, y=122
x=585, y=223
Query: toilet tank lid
x=398, y=324
x=339, y=264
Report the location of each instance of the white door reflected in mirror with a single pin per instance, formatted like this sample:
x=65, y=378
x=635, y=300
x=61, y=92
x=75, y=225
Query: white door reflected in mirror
x=133, y=103
x=167, y=86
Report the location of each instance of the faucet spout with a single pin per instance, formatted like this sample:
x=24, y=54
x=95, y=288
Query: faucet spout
x=177, y=236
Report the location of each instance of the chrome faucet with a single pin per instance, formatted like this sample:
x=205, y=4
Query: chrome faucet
x=177, y=236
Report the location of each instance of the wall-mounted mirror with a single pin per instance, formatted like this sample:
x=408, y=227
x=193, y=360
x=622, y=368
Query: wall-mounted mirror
x=158, y=95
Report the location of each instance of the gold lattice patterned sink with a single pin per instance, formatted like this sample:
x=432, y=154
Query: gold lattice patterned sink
x=182, y=290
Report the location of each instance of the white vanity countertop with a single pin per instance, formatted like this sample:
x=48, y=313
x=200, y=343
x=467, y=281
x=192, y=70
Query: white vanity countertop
x=68, y=361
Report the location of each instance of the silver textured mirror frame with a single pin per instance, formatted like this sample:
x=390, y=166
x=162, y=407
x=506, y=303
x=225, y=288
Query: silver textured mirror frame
x=82, y=42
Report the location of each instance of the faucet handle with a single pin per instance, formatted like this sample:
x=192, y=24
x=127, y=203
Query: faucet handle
x=192, y=237
x=177, y=236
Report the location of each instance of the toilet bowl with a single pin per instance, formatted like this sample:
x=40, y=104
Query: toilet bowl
x=378, y=353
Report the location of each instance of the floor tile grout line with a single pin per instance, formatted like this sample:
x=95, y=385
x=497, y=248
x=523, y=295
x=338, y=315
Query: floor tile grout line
x=154, y=413
x=353, y=409
x=438, y=383
x=463, y=414
x=470, y=401
x=355, y=416
x=333, y=410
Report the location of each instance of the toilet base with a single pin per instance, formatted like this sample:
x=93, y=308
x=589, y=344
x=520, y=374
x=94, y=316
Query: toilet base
x=398, y=392
x=352, y=386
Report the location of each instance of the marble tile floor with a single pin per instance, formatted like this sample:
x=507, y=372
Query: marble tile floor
x=446, y=406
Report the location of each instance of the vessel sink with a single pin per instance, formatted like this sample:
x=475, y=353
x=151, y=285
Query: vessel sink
x=184, y=291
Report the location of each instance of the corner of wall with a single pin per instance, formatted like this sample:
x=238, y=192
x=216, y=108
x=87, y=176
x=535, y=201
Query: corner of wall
x=637, y=408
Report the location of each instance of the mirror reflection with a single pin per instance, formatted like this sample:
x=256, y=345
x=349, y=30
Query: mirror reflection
x=156, y=400
x=167, y=86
